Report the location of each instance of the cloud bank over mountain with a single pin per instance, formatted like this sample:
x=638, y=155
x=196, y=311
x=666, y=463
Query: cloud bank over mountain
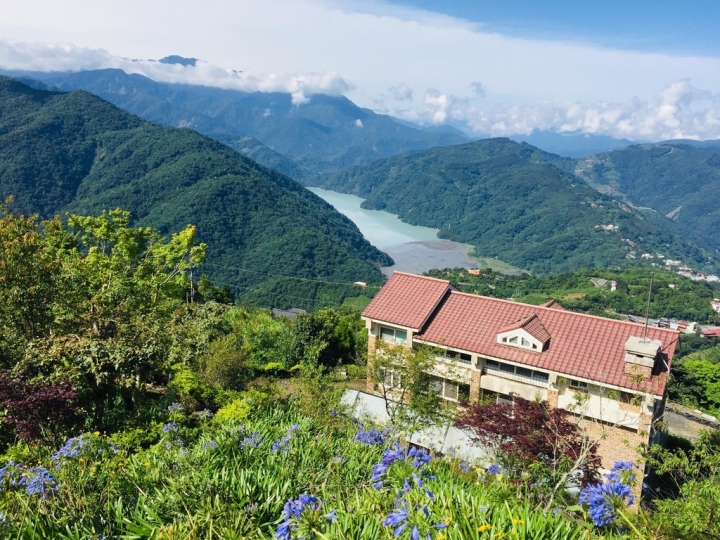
x=678, y=111
x=66, y=57
x=411, y=63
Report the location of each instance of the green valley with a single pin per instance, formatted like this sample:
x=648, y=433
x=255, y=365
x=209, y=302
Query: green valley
x=516, y=203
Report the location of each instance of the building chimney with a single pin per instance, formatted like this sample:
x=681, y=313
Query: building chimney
x=640, y=356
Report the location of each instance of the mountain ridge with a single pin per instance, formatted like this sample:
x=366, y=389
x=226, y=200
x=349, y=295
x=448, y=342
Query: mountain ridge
x=76, y=152
x=327, y=133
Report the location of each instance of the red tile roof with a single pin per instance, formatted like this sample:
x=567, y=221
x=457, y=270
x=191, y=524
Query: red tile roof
x=582, y=346
x=532, y=325
x=554, y=304
x=407, y=300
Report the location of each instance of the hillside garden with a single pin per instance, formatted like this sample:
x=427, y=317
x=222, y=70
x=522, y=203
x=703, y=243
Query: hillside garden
x=129, y=412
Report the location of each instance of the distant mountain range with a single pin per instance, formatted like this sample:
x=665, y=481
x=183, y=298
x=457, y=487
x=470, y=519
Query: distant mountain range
x=530, y=207
x=328, y=133
x=519, y=204
x=266, y=234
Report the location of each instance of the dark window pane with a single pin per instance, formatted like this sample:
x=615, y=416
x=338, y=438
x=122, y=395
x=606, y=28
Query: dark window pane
x=524, y=372
x=507, y=368
x=540, y=376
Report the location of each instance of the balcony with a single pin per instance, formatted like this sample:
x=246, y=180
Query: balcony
x=517, y=373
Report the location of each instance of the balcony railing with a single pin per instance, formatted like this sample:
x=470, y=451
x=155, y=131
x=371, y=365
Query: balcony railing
x=535, y=377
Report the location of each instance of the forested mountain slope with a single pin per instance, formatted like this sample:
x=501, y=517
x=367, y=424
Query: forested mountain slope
x=76, y=152
x=328, y=133
x=680, y=179
x=514, y=202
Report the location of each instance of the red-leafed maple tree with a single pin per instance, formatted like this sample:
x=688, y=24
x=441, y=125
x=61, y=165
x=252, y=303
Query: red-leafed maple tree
x=37, y=411
x=532, y=436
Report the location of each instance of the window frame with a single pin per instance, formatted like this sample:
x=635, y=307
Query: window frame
x=503, y=367
x=395, y=340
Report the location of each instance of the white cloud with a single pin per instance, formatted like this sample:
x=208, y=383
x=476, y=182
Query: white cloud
x=319, y=45
x=401, y=92
x=43, y=57
x=358, y=123
x=680, y=110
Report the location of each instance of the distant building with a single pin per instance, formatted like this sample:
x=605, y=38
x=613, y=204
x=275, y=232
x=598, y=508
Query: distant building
x=647, y=256
x=716, y=305
x=711, y=333
x=474, y=271
x=492, y=348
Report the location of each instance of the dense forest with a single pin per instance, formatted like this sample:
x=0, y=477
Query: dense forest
x=515, y=203
x=74, y=152
x=677, y=178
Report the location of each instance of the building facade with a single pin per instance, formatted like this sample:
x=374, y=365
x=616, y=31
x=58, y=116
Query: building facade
x=610, y=374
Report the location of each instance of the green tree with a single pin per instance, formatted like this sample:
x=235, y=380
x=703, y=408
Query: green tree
x=101, y=303
x=403, y=376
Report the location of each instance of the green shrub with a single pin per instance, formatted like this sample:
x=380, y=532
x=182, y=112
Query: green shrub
x=192, y=391
x=234, y=412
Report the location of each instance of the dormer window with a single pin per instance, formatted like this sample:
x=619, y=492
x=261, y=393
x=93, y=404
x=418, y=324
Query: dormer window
x=527, y=333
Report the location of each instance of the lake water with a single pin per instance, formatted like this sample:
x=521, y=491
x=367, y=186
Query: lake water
x=413, y=248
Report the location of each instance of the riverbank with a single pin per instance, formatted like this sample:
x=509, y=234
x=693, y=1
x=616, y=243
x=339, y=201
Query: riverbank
x=414, y=248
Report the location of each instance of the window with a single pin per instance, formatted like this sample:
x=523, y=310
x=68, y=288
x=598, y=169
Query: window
x=523, y=372
x=449, y=389
x=522, y=341
x=578, y=385
x=393, y=335
x=458, y=356
x=388, y=378
x=629, y=398
x=507, y=368
x=504, y=399
x=519, y=371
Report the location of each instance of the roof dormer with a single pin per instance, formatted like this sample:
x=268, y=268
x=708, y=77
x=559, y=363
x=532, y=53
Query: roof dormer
x=527, y=333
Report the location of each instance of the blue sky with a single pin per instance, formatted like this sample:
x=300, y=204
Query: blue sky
x=634, y=69
x=671, y=26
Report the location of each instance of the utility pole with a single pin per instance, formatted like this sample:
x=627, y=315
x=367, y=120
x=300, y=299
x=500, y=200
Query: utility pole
x=647, y=310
